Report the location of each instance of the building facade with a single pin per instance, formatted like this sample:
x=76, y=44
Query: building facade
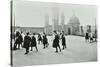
x=72, y=28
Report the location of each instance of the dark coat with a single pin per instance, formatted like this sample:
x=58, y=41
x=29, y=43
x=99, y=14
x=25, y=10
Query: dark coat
x=20, y=38
x=27, y=40
x=87, y=36
x=63, y=40
x=17, y=38
x=39, y=37
x=17, y=34
x=33, y=41
x=56, y=41
x=45, y=39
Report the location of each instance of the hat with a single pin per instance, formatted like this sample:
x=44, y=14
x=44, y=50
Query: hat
x=33, y=33
x=54, y=31
x=27, y=33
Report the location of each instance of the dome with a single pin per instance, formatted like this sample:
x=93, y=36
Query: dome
x=74, y=20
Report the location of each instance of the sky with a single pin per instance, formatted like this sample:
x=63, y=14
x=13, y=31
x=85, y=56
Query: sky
x=32, y=14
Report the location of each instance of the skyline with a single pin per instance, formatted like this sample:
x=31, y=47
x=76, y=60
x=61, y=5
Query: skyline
x=32, y=14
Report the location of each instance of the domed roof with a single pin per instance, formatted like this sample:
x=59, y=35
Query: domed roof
x=74, y=20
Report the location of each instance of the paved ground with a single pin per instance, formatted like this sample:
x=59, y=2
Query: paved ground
x=77, y=51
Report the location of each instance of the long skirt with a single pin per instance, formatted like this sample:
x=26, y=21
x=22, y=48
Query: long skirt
x=55, y=43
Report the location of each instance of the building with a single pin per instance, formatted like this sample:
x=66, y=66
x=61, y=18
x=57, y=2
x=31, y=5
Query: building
x=72, y=28
x=29, y=29
x=73, y=25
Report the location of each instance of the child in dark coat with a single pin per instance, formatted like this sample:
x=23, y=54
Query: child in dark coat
x=33, y=42
x=27, y=40
x=56, y=42
x=63, y=40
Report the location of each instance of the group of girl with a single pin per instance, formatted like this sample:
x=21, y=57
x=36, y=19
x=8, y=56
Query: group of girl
x=30, y=41
x=90, y=37
x=56, y=40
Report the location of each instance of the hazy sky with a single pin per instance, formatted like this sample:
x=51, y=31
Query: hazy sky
x=32, y=14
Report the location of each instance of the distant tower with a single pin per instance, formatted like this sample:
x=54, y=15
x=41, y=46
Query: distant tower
x=95, y=26
x=46, y=23
x=55, y=18
x=89, y=28
x=62, y=21
x=82, y=31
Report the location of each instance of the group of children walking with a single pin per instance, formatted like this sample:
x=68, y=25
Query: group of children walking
x=31, y=41
x=91, y=37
